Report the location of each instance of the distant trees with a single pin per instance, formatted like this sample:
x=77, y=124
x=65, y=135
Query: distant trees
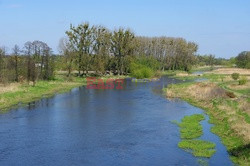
x=99, y=50
x=243, y=60
x=95, y=48
x=172, y=53
x=208, y=60
x=32, y=63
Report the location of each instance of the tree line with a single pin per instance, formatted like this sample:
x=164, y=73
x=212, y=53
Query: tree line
x=34, y=61
x=94, y=49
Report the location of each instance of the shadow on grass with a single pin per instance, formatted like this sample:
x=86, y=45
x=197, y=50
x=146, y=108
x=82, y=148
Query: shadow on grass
x=241, y=151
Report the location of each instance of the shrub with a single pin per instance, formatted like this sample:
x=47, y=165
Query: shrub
x=243, y=80
x=235, y=76
x=140, y=71
x=230, y=94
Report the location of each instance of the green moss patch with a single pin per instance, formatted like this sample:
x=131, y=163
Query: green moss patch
x=191, y=127
x=199, y=148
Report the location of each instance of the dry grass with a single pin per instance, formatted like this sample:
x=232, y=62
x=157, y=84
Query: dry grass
x=206, y=91
x=183, y=74
x=9, y=88
x=244, y=105
x=231, y=71
x=236, y=86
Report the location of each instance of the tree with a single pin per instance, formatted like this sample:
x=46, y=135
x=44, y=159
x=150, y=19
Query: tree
x=211, y=59
x=82, y=38
x=122, y=45
x=16, y=52
x=2, y=64
x=102, y=46
x=243, y=60
x=66, y=49
x=30, y=63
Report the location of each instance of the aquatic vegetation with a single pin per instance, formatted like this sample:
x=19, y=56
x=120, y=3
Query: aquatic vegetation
x=190, y=126
x=199, y=148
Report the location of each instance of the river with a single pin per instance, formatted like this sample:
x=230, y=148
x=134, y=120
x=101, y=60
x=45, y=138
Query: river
x=124, y=127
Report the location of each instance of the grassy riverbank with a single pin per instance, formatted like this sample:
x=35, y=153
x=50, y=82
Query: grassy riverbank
x=228, y=106
x=13, y=94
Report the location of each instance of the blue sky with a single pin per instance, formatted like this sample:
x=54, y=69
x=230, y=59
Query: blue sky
x=220, y=27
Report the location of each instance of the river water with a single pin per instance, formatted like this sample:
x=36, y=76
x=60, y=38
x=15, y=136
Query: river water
x=129, y=127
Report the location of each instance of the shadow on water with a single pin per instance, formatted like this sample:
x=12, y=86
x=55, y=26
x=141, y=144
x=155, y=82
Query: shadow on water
x=131, y=126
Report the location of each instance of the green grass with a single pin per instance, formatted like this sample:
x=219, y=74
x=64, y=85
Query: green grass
x=28, y=93
x=199, y=148
x=190, y=126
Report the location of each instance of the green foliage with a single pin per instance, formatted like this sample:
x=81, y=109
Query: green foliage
x=140, y=71
x=149, y=61
x=144, y=67
x=243, y=80
x=235, y=76
x=199, y=148
x=243, y=60
x=172, y=53
x=190, y=126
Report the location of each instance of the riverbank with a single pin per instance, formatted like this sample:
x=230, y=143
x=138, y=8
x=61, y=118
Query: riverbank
x=227, y=105
x=16, y=94
x=13, y=95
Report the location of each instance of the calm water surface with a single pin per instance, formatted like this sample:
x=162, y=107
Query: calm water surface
x=128, y=127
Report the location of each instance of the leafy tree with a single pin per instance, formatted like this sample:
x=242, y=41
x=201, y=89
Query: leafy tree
x=66, y=49
x=243, y=60
x=122, y=45
x=102, y=46
x=81, y=39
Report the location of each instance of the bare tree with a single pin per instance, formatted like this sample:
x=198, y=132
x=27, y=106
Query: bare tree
x=16, y=52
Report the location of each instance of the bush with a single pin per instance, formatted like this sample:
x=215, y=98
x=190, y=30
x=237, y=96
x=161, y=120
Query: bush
x=140, y=71
x=230, y=94
x=144, y=67
x=235, y=76
x=243, y=80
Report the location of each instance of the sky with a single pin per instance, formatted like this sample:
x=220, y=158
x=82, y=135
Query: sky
x=219, y=27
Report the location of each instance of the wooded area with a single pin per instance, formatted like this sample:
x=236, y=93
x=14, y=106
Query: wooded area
x=102, y=51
